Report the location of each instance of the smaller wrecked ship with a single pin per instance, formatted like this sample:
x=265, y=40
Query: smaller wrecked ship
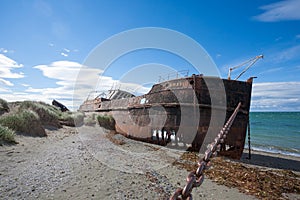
x=181, y=112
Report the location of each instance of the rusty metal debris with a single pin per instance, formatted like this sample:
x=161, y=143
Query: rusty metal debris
x=61, y=106
x=195, y=178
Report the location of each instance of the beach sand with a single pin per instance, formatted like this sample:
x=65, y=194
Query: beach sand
x=82, y=163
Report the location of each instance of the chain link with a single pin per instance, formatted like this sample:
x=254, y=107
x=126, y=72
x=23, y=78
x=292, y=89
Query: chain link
x=196, y=178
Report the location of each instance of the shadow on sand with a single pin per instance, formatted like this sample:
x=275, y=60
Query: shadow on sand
x=271, y=161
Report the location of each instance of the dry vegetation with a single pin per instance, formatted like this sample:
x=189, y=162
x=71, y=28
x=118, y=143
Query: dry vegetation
x=30, y=118
x=106, y=121
x=262, y=183
x=6, y=135
x=26, y=122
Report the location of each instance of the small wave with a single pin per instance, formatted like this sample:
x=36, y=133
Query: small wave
x=275, y=151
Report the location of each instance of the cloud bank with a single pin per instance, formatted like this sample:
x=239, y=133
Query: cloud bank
x=280, y=11
x=276, y=96
x=7, y=67
x=72, y=89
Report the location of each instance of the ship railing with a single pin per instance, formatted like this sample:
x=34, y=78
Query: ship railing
x=96, y=93
x=173, y=75
x=119, y=86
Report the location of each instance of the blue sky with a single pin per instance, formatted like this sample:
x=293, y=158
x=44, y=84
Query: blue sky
x=44, y=43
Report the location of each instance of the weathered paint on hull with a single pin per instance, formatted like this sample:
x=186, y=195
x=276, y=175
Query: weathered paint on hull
x=179, y=113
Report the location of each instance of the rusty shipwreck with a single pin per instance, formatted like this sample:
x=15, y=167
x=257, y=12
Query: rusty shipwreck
x=179, y=112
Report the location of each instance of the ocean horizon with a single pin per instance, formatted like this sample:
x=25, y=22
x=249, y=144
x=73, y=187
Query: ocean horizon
x=275, y=132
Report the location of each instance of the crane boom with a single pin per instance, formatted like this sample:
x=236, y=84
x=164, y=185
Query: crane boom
x=251, y=61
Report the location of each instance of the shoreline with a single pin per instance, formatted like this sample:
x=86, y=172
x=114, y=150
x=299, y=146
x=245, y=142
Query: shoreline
x=271, y=160
x=287, y=153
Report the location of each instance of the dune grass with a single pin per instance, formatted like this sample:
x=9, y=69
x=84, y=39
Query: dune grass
x=53, y=116
x=71, y=118
x=6, y=135
x=48, y=114
x=32, y=117
x=106, y=121
x=26, y=122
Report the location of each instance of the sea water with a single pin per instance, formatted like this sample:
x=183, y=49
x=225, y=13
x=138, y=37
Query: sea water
x=275, y=132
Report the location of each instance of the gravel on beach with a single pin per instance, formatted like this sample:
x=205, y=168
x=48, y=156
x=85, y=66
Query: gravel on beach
x=82, y=163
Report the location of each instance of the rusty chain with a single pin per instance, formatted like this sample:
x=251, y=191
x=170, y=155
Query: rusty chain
x=195, y=178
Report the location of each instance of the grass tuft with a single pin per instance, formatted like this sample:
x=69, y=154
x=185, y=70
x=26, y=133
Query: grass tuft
x=71, y=118
x=106, y=121
x=47, y=114
x=6, y=135
x=26, y=122
x=32, y=117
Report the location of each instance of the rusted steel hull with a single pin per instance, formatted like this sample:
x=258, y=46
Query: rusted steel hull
x=185, y=113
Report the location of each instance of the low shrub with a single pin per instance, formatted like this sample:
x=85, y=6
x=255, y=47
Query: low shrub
x=48, y=114
x=26, y=122
x=71, y=119
x=106, y=121
x=6, y=135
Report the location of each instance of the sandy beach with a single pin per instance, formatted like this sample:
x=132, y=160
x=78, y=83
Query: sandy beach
x=83, y=163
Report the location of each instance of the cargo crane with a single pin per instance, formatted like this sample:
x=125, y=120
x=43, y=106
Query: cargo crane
x=250, y=61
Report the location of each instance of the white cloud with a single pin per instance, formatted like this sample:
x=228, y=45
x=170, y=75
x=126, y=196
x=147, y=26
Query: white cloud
x=64, y=54
x=272, y=70
x=280, y=11
x=12, y=96
x=67, y=70
x=6, y=67
x=290, y=53
x=3, y=50
x=5, y=82
x=66, y=50
x=66, y=74
x=3, y=91
x=25, y=85
x=276, y=96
